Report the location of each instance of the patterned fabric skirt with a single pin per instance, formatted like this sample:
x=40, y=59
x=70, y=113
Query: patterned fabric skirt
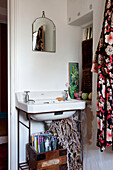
x=105, y=105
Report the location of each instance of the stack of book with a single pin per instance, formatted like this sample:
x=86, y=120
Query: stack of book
x=44, y=142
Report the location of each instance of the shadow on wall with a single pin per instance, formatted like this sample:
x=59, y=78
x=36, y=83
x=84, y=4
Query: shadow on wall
x=87, y=125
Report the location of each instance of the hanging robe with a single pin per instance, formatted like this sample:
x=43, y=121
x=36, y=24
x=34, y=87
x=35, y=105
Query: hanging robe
x=103, y=65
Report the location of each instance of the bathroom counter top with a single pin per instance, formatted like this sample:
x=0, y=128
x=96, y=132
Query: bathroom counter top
x=47, y=107
x=36, y=107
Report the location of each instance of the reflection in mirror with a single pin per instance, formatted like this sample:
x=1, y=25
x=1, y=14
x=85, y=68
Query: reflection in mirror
x=43, y=35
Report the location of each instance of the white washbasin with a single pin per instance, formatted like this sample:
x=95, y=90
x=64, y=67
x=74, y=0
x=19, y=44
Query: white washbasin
x=47, y=106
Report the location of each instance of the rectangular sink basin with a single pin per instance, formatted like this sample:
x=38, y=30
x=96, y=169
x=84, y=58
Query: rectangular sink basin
x=46, y=105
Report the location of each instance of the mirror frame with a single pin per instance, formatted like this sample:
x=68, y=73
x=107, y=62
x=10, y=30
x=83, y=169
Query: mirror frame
x=43, y=16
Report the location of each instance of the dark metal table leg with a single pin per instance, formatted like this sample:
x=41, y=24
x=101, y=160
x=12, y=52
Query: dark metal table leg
x=21, y=165
x=18, y=139
x=29, y=116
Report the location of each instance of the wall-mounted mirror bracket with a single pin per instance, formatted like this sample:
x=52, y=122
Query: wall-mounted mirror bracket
x=43, y=14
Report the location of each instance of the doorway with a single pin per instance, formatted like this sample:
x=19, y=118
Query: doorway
x=87, y=53
x=3, y=98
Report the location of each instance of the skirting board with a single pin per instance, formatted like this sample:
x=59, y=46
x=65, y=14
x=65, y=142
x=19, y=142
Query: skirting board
x=3, y=139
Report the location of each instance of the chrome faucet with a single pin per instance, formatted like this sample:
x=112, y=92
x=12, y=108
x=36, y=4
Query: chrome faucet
x=66, y=95
x=26, y=96
x=27, y=100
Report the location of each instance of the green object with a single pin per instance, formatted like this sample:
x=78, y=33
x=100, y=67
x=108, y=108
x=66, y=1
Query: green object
x=84, y=96
x=74, y=78
x=72, y=91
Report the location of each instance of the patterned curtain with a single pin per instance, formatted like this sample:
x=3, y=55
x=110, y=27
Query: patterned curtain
x=103, y=65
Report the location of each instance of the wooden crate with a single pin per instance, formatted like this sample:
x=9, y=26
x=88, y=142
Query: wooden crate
x=47, y=160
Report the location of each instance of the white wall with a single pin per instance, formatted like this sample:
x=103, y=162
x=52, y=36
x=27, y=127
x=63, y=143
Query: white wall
x=42, y=71
x=93, y=158
x=35, y=70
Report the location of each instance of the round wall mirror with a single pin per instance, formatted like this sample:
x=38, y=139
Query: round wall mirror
x=43, y=35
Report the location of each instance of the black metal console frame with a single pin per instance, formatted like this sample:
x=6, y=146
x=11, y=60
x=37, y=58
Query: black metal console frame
x=24, y=165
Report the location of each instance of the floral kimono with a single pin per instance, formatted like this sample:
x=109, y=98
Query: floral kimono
x=103, y=65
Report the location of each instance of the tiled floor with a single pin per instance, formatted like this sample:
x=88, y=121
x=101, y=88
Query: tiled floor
x=4, y=157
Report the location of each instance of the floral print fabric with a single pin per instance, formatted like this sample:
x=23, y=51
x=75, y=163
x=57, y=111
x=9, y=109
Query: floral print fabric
x=103, y=65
